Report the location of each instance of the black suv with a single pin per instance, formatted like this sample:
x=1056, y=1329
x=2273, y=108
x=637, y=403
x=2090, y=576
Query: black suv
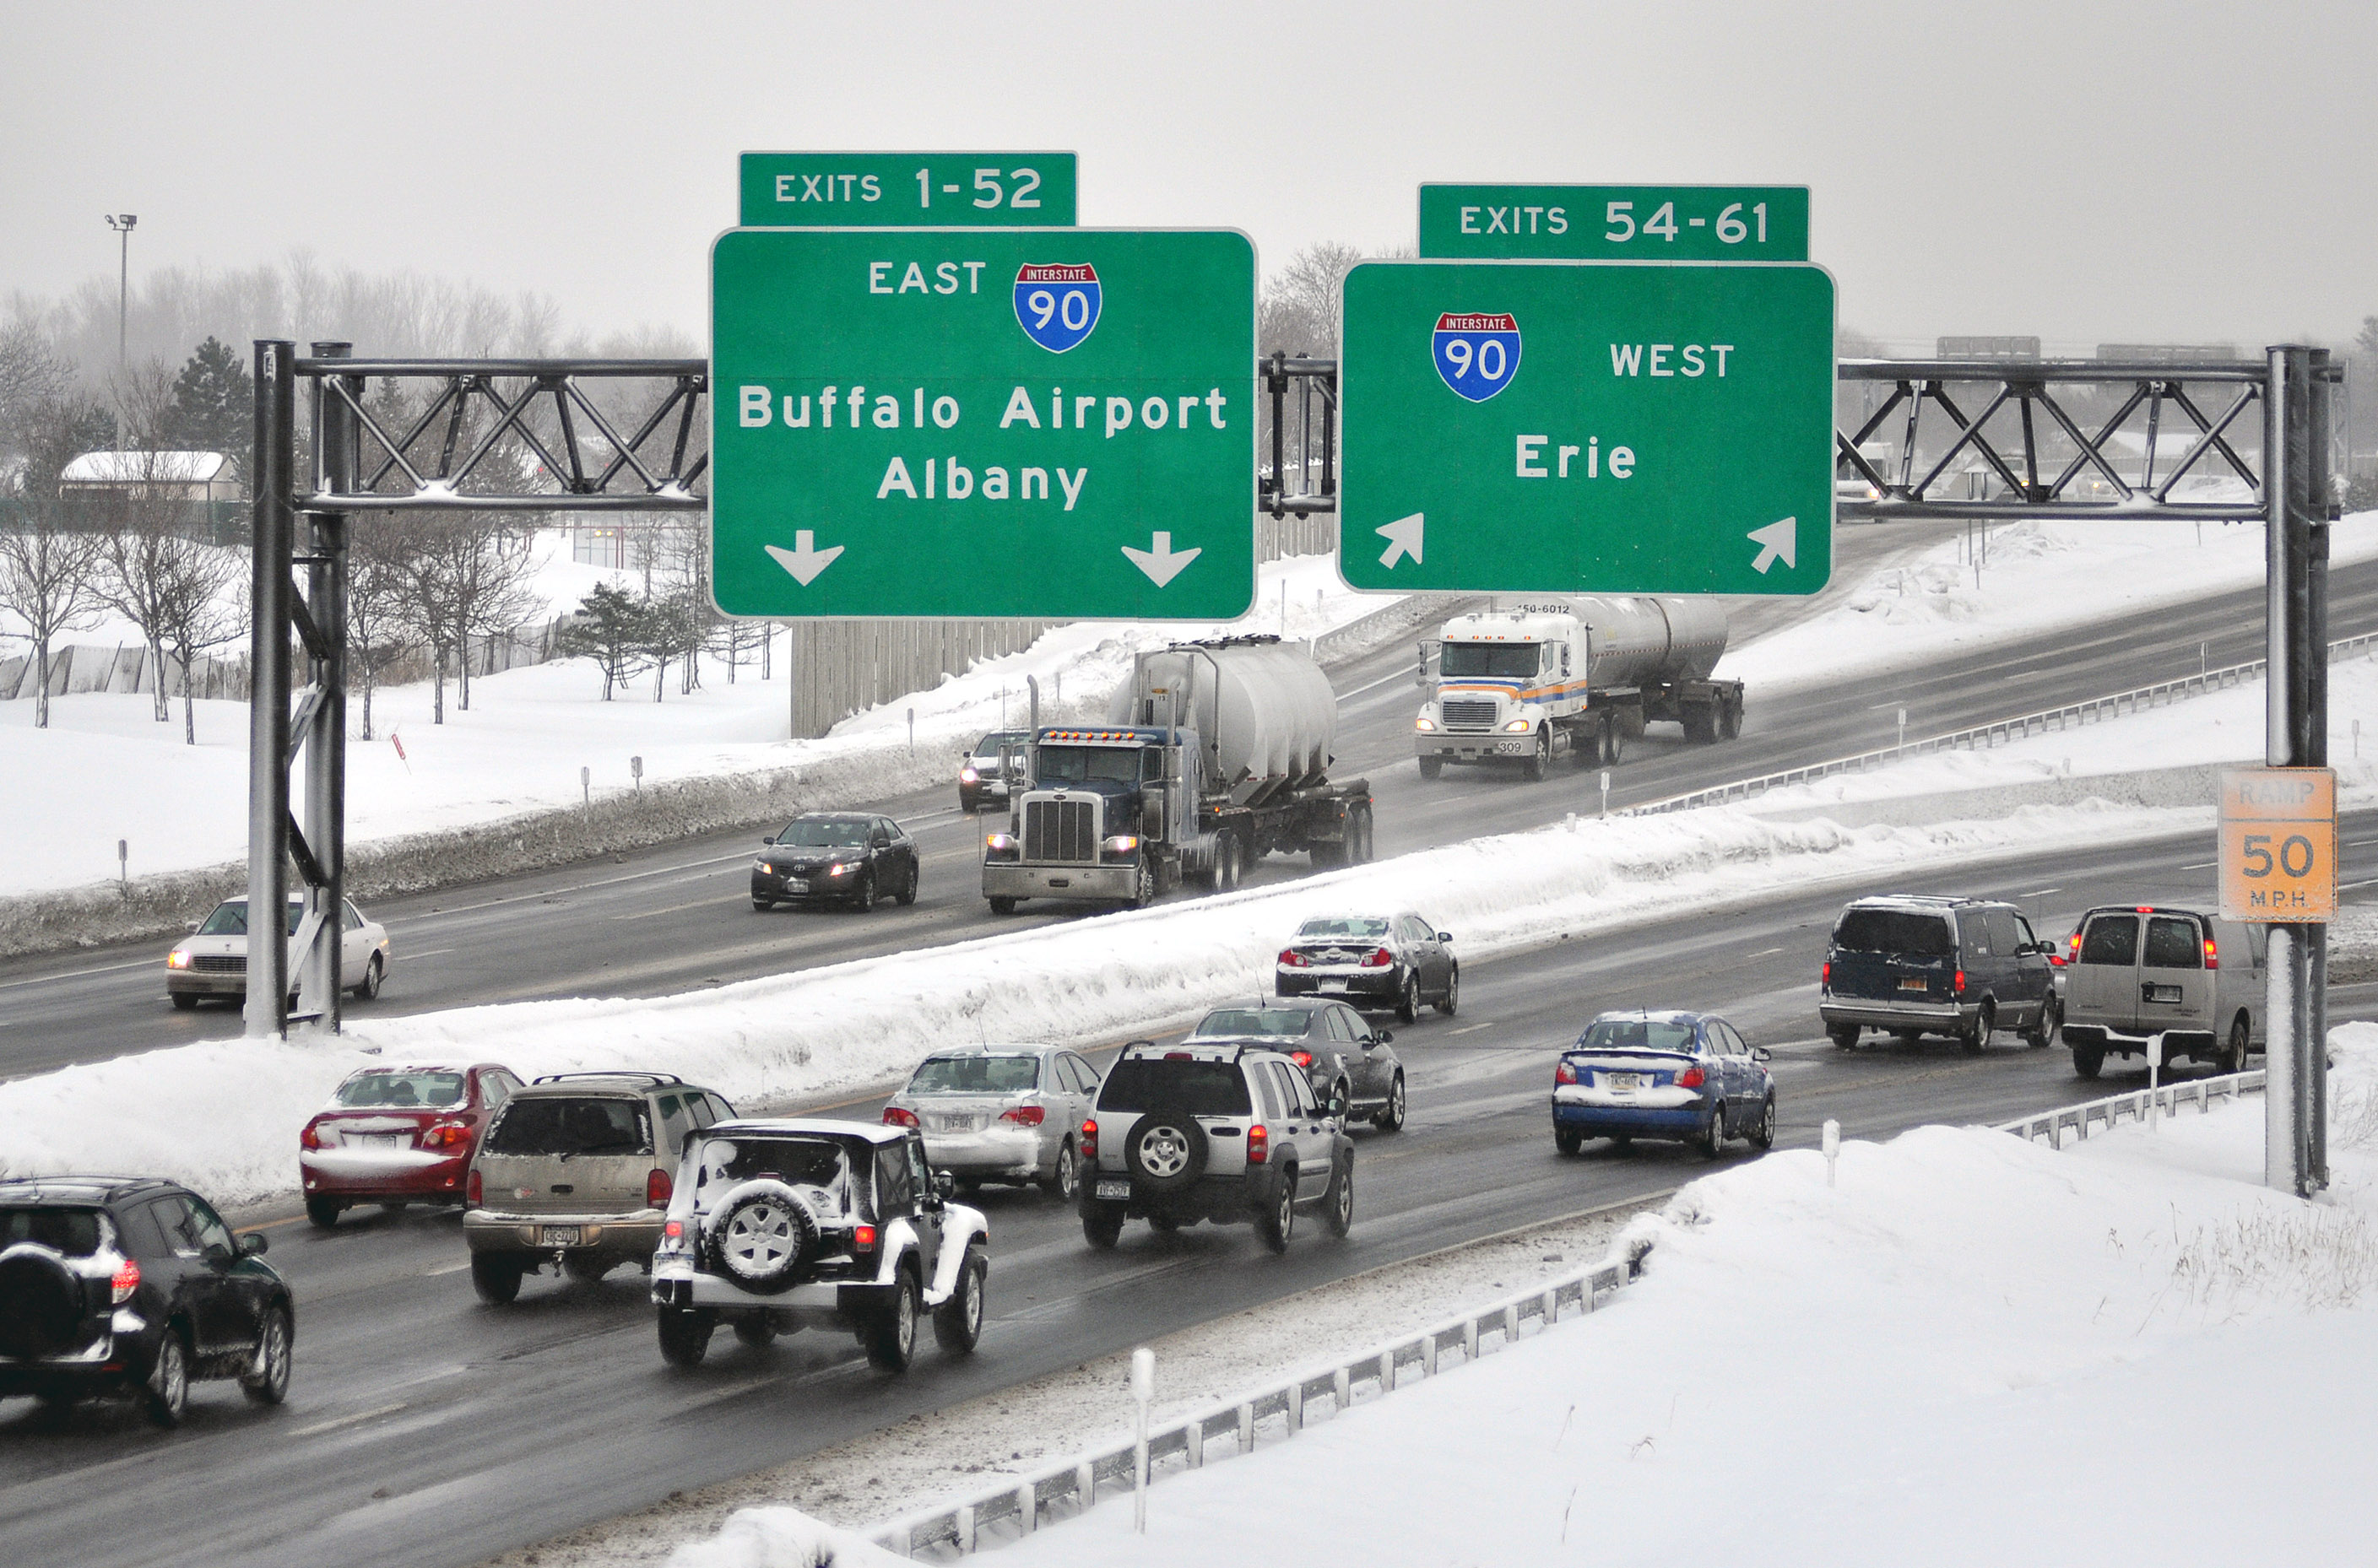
x=1963, y=967
x=117, y=1286
x=1217, y=1131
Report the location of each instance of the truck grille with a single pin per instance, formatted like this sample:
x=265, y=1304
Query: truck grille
x=1469, y=713
x=1060, y=830
x=220, y=963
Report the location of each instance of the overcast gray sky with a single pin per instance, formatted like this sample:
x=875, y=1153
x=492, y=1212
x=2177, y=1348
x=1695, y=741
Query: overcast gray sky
x=2080, y=170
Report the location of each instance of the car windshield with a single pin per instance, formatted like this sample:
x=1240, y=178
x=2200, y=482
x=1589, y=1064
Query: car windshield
x=74, y=1232
x=1353, y=927
x=975, y=1075
x=1893, y=931
x=1267, y=1023
x=376, y=1086
x=1089, y=764
x=1512, y=661
x=230, y=918
x=1636, y=1034
x=1193, y=1088
x=802, y=1162
x=827, y=833
x=554, y=1124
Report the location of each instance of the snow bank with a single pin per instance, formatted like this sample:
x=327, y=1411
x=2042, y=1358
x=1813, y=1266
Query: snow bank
x=222, y=1115
x=1973, y=1350
x=780, y=1538
x=2040, y=576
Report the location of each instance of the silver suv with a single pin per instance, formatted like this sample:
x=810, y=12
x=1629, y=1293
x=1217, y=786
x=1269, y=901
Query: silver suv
x=575, y=1172
x=785, y=1224
x=1225, y=1132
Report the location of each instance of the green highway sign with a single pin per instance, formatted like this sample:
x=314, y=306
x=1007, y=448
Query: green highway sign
x=1614, y=222
x=936, y=190
x=1052, y=424
x=1575, y=428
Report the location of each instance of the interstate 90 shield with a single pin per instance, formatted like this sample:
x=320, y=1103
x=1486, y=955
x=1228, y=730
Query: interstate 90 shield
x=1476, y=355
x=1057, y=304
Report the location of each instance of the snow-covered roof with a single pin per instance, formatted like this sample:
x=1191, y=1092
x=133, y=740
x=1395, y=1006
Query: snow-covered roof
x=140, y=467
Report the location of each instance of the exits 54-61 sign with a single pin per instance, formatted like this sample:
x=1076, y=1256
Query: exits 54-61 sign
x=1052, y=423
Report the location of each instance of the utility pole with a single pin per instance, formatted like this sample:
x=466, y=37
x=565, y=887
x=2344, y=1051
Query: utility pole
x=122, y=222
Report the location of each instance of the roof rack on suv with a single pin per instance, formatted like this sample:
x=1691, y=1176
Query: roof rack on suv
x=647, y=1077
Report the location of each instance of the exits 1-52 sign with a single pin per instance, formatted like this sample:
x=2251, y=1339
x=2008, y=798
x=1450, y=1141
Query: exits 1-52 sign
x=2278, y=844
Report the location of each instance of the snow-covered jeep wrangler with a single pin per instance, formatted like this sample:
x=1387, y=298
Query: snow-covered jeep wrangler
x=780, y=1225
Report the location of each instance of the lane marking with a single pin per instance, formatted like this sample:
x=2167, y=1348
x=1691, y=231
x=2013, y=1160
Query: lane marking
x=334, y=1425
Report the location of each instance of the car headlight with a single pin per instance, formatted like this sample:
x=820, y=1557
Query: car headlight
x=1519, y=726
x=177, y=959
x=1425, y=725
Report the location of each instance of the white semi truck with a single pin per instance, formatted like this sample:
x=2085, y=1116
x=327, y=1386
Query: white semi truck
x=1571, y=678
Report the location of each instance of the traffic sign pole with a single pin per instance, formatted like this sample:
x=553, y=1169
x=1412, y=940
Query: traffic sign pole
x=1585, y=427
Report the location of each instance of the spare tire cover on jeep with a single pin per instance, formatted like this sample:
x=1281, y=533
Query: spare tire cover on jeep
x=759, y=1234
x=1166, y=1149
x=41, y=1304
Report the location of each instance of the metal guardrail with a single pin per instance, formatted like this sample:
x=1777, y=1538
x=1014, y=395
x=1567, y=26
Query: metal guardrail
x=1982, y=736
x=2200, y=1093
x=1018, y=1507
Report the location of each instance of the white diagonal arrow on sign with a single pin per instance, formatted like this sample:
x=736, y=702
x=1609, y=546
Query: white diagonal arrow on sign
x=1403, y=539
x=1161, y=564
x=1782, y=538
x=804, y=560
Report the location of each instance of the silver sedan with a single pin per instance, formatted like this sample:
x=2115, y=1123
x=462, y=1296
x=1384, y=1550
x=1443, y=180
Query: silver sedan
x=999, y=1113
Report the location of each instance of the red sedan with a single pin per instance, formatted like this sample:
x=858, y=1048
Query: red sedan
x=397, y=1135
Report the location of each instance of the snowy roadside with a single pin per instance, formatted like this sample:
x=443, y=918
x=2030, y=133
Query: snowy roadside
x=1971, y=1350
x=2040, y=577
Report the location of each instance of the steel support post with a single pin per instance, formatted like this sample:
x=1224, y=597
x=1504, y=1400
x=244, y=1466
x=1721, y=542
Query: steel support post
x=269, y=685
x=324, y=819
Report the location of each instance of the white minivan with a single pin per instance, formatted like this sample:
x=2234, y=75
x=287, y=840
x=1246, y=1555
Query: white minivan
x=2132, y=973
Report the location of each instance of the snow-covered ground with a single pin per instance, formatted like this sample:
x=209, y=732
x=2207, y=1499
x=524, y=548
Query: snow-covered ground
x=2039, y=576
x=526, y=736
x=1971, y=1350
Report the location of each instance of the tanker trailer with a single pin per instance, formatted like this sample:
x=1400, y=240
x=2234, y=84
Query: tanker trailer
x=1574, y=678
x=1214, y=754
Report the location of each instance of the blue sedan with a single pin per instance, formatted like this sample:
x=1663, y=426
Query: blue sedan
x=1683, y=1077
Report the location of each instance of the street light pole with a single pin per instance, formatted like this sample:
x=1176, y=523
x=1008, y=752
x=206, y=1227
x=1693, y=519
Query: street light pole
x=122, y=222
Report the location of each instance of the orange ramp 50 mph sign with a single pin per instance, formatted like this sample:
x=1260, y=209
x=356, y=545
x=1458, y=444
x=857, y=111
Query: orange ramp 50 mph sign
x=2278, y=845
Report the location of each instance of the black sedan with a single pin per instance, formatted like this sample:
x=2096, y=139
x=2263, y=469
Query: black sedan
x=1375, y=961
x=836, y=857
x=117, y=1286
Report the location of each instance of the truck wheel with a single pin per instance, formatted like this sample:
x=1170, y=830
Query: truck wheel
x=1541, y=758
x=1002, y=905
x=1430, y=767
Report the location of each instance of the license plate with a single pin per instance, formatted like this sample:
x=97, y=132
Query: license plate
x=2163, y=993
x=796, y=884
x=557, y=1236
x=1626, y=1080
x=1914, y=983
x=1333, y=986
x=1111, y=1189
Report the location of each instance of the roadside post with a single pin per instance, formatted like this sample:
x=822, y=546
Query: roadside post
x=1143, y=1389
x=1832, y=1146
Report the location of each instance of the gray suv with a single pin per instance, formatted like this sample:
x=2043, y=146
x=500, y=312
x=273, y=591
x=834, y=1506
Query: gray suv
x=575, y=1172
x=1220, y=1131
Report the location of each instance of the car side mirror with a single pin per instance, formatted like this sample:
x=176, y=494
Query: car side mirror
x=254, y=1242
x=1761, y=1053
x=1445, y=936
x=945, y=1186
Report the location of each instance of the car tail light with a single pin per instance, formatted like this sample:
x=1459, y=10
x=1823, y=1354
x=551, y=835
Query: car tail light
x=656, y=1189
x=862, y=1239
x=312, y=1137
x=1302, y=1058
x=1089, y=1139
x=1258, y=1143
x=471, y=1191
x=896, y=1116
x=1291, y=959
x=446, y=1135
x=126, y=1281
x=1023, y=1116
x=1379, y=959
x=1961, y=981
x=1691, y=1078
x=1564, y=1073
x=2212, y=954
